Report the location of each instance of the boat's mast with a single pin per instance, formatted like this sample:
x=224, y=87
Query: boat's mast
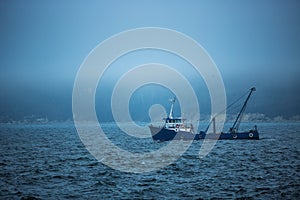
x=236, y=124
x=172, y=105
x=214, y=125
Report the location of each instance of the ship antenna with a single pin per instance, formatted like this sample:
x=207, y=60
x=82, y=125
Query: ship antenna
x=172, y=105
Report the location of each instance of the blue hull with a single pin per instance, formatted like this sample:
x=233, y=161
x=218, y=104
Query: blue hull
x=247, y=135
x=162, y=134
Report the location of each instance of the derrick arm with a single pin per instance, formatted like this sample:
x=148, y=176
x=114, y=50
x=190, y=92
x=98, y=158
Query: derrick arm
x=237, y=121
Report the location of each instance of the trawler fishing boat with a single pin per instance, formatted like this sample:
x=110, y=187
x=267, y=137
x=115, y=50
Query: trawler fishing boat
x=176, y=128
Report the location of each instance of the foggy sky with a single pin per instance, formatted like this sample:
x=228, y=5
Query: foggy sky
x=43, y=43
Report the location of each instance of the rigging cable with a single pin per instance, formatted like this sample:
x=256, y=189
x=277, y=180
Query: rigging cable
x=225, y=110
x=232, y=104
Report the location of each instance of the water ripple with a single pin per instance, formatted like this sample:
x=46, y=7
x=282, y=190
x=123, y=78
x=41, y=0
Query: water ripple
x=50, y=162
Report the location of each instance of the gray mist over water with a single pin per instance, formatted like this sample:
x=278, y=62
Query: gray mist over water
x=43, y=44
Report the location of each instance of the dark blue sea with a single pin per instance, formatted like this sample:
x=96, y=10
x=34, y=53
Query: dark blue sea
x=49, y=161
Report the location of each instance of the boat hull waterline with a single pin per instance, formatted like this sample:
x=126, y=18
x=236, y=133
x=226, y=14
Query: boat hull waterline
x=163, y=134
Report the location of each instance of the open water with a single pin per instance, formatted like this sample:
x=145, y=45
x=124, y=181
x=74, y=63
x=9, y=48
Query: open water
x=49, y=161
